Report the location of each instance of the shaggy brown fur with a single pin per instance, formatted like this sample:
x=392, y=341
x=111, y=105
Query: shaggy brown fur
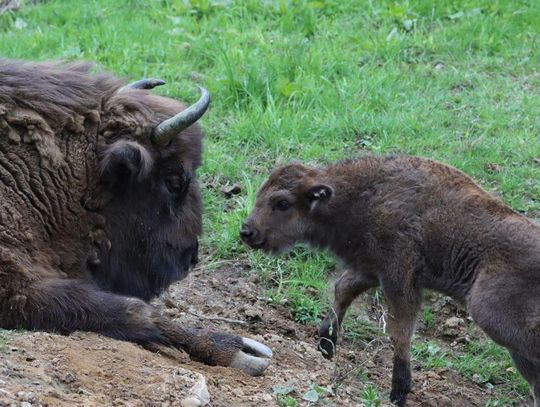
x=407, y=224
x=94, y=218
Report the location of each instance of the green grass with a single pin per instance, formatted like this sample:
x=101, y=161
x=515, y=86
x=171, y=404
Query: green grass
x=455, y=81
x=3, y=340
x=482, y=362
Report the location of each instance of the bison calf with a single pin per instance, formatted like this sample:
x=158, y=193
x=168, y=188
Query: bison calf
x=407, y=224
x=100, y=209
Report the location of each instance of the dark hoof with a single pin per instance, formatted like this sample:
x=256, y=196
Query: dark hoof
x=399, y=397
x=253, y=358
x=327, y=339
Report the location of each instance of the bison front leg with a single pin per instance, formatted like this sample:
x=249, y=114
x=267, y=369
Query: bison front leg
x=349, y=286
x=67, y=305
x=217, y=348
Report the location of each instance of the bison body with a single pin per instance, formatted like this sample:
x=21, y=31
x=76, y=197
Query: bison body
x=407, y=224
x=100, y=209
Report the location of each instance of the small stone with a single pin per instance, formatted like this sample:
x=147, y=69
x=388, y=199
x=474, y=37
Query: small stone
x=199, y=395
x=68, y=378
x=492, y=168
x=267, y=397
x=451, y=327
x=195, y=76
x=231, y=190
x=252, y=313
x=25, y=396
x=454, y=322
x=191, y=402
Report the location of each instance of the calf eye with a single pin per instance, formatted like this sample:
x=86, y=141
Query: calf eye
x=283, y=205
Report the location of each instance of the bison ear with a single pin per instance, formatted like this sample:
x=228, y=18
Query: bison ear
x=123, y=163
x=318, y=195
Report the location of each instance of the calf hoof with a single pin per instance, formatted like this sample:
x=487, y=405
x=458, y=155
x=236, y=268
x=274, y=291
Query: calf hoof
x=328, y=339
x=253, y=358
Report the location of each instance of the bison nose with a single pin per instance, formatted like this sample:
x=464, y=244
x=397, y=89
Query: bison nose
x=246, y=232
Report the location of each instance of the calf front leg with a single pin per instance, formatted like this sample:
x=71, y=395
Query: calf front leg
x=403, y=308
x=349, y=286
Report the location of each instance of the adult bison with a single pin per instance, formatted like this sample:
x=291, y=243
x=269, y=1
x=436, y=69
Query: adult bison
x=100, y=210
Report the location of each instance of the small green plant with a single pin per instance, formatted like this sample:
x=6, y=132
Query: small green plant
x=361, y=375
x=430, y=355
x=284, y=396
x=428, y=318
x=3, y=341
x=284, y=400
x=370, y=396
x=305, y=309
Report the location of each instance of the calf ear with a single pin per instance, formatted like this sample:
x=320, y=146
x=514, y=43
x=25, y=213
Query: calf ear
x=123, y=163
x=318, y=195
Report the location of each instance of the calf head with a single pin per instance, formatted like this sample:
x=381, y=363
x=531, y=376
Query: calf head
x=286, y=209
x=148, y=193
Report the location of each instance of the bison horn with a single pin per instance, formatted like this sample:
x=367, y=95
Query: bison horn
x=145, y=83
x=169, y=129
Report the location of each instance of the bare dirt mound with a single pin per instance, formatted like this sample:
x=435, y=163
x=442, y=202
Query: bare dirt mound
x=90, y=370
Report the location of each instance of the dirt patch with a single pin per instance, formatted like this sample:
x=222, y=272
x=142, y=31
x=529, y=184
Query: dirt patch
x=90, y=370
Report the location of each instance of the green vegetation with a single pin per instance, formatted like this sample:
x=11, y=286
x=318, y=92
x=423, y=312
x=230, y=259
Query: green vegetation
x=428, y=318
x=453, y=80
x=483, y=362
x=370, y=396
x=3, y=340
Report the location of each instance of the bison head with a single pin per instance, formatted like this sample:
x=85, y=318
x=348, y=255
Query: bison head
x=286, y=209
x=149, y=150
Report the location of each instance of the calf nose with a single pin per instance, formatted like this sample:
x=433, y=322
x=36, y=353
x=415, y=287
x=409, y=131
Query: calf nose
x=246, y=232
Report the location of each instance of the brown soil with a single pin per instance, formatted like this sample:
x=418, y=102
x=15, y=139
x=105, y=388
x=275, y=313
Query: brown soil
x=90, y=370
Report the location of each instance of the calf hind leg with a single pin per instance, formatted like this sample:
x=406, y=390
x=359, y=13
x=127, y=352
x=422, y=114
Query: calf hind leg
x=530, y=370
x=350, y=285
x=508, y=310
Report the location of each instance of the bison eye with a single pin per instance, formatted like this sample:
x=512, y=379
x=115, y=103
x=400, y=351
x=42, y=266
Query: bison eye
x=176, y=184
x=283, y=205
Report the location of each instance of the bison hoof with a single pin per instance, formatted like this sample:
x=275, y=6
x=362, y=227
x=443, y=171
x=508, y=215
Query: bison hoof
x=253, y=358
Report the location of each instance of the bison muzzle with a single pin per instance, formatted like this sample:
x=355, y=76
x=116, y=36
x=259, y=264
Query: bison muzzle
x=100, y=209
x=408, y=224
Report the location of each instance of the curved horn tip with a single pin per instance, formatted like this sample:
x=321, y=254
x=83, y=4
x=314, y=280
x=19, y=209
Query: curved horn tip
x=170, y=128
x=146, y=83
